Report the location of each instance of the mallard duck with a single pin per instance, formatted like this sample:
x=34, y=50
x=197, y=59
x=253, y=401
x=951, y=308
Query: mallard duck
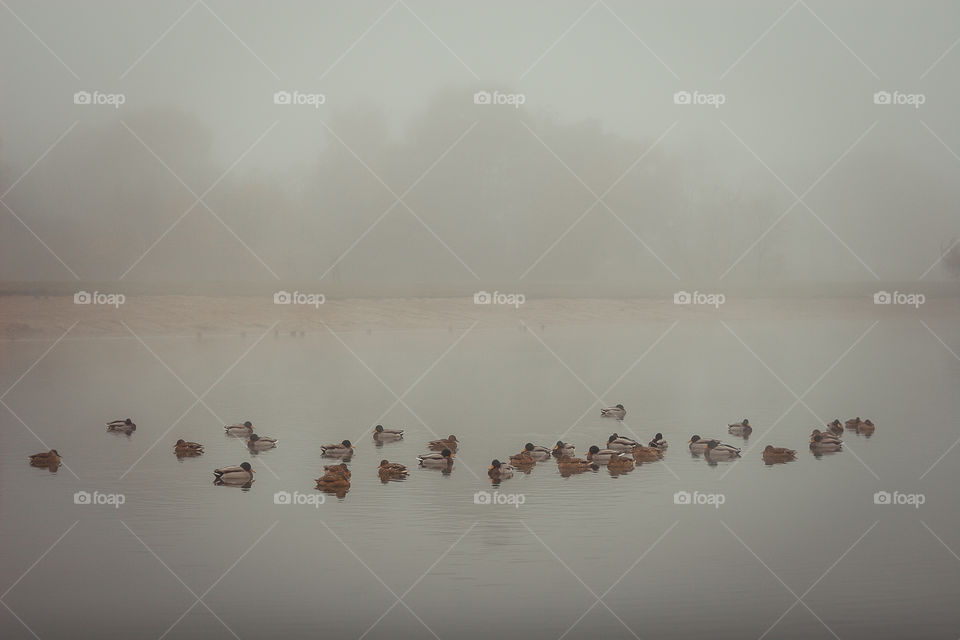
x=658, y=442
x=853, y=423
x=819, y=443
x=719, y=451
x=866, y=427
x=619, y=462
x=621, y=443
x=523, y=459
x=334, y=477
x=698, y=444
x=616, y=411
x=442, y=459
x=563, y=449
x=342, y=449
x=261, y=442
x=339, y=469
x=500, y=470
x=239, y=429
x=392, y=469
x=598, y=455
x=184, y=448
x=539, y=453
x=835, y=428
x=48, y=459
x=778, y=454
x=826, y=437
x=569, y=464
x=740, y=428
x=450, y=442
x=234, y=475
x=125, y=425
x=646, y=454
x=379, y=433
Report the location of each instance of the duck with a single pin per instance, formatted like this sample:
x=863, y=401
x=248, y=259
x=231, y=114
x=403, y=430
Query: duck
x=616, y=411
x=239, y=429
x=835, y=428
x=261, y=442
x=379, y=433
x=621, y=443
x=126, y=425
x=342, y=449
x=523, y=459
x=234, y=475
x=436, y=460
x=389, y=469
x=450, y=442
x=819, y=443
x=598, y=455
x=646, y=454
x=826, y=437
x=500, y=470
x=866, y=427
x=658, y=442
x=563, y=449
x=339, y=469
x=719, y=451
x=334, y=477
x=698, y=444
x=740, y=428
x=619, y=463
x=184, y=448
x=46, y=459
x=853, y=423
x=539, y=453
x=773, y=454
x=569, y=464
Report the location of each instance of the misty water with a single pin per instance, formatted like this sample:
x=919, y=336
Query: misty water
x=797, y=550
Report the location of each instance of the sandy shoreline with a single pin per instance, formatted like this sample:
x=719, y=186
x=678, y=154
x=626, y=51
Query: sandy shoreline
x=26, y=317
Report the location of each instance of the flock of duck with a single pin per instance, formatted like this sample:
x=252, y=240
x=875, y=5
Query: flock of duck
x=620, y=454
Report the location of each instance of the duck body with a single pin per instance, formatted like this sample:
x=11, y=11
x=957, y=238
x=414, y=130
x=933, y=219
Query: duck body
x=740, y=428
x=336, y=476
x=436, y=460
x=621, y=443
x=819, y=443
x=261, y=443
x=620, y=463
x=45, y=459
x=699, y=445
x=658, y=442
x=241, y=474
x=563, y=449
x=569, y=464
x=773, y=454
x=616, y=411
x=124, y=426
x=600, y=456
x=866, y=427
x=825, y=437
x=719, y=451
x=239, y=429
x=523, y=459
x=835, y=428
x=537, y=452
x=646, y=454
x=341, y=449
x=500, y=470
x=852, y=423
x=450, y=442
x=389, y=469
x=184, y=448
x=379, y=433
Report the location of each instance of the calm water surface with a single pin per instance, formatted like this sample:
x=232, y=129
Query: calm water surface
x=798, y=550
